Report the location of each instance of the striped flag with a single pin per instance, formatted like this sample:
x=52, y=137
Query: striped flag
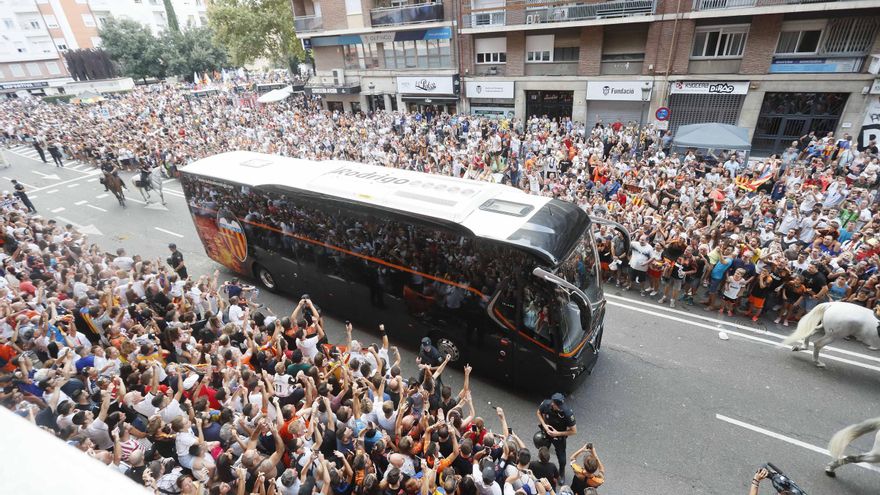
x=233, y=237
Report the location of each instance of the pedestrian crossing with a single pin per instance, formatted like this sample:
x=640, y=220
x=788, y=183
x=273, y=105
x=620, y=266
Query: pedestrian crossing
x=33, y=154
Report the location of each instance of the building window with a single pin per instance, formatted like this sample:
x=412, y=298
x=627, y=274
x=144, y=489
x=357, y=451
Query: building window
x=154, y=2
x=102, y=21
x=720, y=42
x=566, y=54
x=798, y=41
x=539, y=48
x=361, y=56
x=53, y=68
x=33, y=24
x=33, y=69
x=17, y=70
x=491, y=50
x=353, y=7
x=19, y=47
x=850, y=35
x=51, y=21
x=8, y=23
x=60, y=43
x=88, y=20
x=422, y=54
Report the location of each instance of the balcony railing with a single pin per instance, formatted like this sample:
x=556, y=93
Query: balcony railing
x=563, y=12
x=407, y=14
x=734, y=4
x=494, y=18
x=308, y=23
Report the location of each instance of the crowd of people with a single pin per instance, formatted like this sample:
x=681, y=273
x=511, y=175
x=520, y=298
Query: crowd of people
x=188, y=385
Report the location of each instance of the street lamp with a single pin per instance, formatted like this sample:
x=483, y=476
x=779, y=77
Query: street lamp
x=646, y=97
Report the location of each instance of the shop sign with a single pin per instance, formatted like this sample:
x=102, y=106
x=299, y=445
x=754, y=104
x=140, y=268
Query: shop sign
x=441, y=33
x=710, y=87
x=327, y=90
x=617, y=90
x=814, y=65
x=489, y=89
x=875, y=87
x=871, y=124
x=425, y=85
x=25, y=85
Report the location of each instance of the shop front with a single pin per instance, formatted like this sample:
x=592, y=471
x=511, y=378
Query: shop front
x=618, y=101
x=696, y=102
x=429, y=94
x=785, y=117
x=552, y=104
x=338, y=98
x=32, y=88
x=491, y=99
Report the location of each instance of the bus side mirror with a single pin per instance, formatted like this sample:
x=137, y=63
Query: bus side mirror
x=616, y=226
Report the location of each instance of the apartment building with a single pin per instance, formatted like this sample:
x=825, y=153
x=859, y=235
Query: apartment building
x=778, y=67
x=33, y=34
x=151, y=12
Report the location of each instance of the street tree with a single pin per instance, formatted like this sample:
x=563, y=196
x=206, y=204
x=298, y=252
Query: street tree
x=193, y=50
x=250, y=29
x=172, y=17
x=133, y=48
x=89, y=64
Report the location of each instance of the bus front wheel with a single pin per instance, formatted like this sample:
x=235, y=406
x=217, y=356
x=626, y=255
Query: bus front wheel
x=266, y=278
x=448, y=347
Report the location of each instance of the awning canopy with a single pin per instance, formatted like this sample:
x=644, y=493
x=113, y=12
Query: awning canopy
x=716, y=136
x=276, y=95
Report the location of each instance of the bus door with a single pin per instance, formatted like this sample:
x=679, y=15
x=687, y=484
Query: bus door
x=523, y=349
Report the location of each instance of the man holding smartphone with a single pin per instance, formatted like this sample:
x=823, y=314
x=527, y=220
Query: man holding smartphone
x=558, y=423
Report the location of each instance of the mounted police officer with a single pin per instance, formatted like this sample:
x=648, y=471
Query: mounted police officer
x=557, y=423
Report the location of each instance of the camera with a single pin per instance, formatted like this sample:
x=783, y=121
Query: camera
x=781, y=482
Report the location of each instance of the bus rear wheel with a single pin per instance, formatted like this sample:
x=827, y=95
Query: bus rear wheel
x=266, y=278
x=448, y=347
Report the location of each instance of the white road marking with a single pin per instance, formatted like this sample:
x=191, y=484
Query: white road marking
x=80, y=203
x=62, y=183
x=166, y=181
x=743, y=335
x=787, y=439
x=76, y=167
x=160, y=229
x=93, y=180
x=100, y=196
x=53, y=191
x=89, y=229
x=96, y=208
x=73, y=185
x=58, y=210
x=135, y=200
x=46, y=176
x=735, y=325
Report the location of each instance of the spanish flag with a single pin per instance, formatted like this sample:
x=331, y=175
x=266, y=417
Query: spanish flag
x=637, y=201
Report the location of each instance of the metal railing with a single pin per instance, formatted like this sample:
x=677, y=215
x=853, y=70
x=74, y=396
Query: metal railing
x=407, y=14
x=308, y=23
x=562, y=12
x=734, y=4
x=494, y=18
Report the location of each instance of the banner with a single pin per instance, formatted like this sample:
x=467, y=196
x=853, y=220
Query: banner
x=441, y=33
x=871, y=123
x=617, y=90
x=489, y=89
x=425, y=85
x=710, y=87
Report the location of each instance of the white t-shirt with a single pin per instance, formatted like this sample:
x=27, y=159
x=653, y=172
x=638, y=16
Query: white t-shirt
x=733, y=287
x=236, y=314
x=171, y=411
x=98, y=432
x=283, y=388
x=308, y=346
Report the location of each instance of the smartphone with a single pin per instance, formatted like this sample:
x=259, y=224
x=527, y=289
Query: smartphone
x=509, y=430
x=474, y=428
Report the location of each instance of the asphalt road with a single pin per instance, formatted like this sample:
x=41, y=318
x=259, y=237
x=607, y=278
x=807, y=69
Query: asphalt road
x=671, y=407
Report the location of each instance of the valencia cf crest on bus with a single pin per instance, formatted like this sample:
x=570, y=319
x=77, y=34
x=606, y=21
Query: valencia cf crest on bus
x=232, y=234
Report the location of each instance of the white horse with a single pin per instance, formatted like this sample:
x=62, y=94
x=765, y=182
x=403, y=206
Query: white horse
x=844, y=437
x=832, y=321
x=155, y=179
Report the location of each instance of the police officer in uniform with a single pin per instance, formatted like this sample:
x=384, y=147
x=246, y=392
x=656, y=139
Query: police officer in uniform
x=557, y=423
x=176, y=261
x=22, y=196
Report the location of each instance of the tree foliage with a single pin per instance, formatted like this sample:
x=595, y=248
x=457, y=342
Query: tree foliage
x=171, y=15
x=133, y=48
x=139, y=54
x=87, y=65
x=250, y=29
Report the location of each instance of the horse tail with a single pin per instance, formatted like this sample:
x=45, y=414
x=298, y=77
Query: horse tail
x=845, y=436
x=808, y=323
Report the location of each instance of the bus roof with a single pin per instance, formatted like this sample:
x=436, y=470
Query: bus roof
x=489, y=210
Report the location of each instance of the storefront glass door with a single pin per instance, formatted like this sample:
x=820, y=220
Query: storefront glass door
x=785, y=117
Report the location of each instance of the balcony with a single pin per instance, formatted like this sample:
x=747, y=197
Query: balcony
x=308, y=23
x=735, y=4
x=521, y=12
x=407, y=14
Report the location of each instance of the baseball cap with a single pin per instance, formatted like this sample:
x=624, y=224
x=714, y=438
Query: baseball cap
x=426, y=341
x=172, y=246
x=558, y=398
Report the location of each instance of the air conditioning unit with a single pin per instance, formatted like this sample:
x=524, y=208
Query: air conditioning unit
x=339, y=77
x=874, y=64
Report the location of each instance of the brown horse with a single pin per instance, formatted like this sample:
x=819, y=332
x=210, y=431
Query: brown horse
x=114, y=184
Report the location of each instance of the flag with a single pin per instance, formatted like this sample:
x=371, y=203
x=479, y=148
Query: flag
x=762, y=179
x=637, y=201
x=742, y=182
x=195, y=77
